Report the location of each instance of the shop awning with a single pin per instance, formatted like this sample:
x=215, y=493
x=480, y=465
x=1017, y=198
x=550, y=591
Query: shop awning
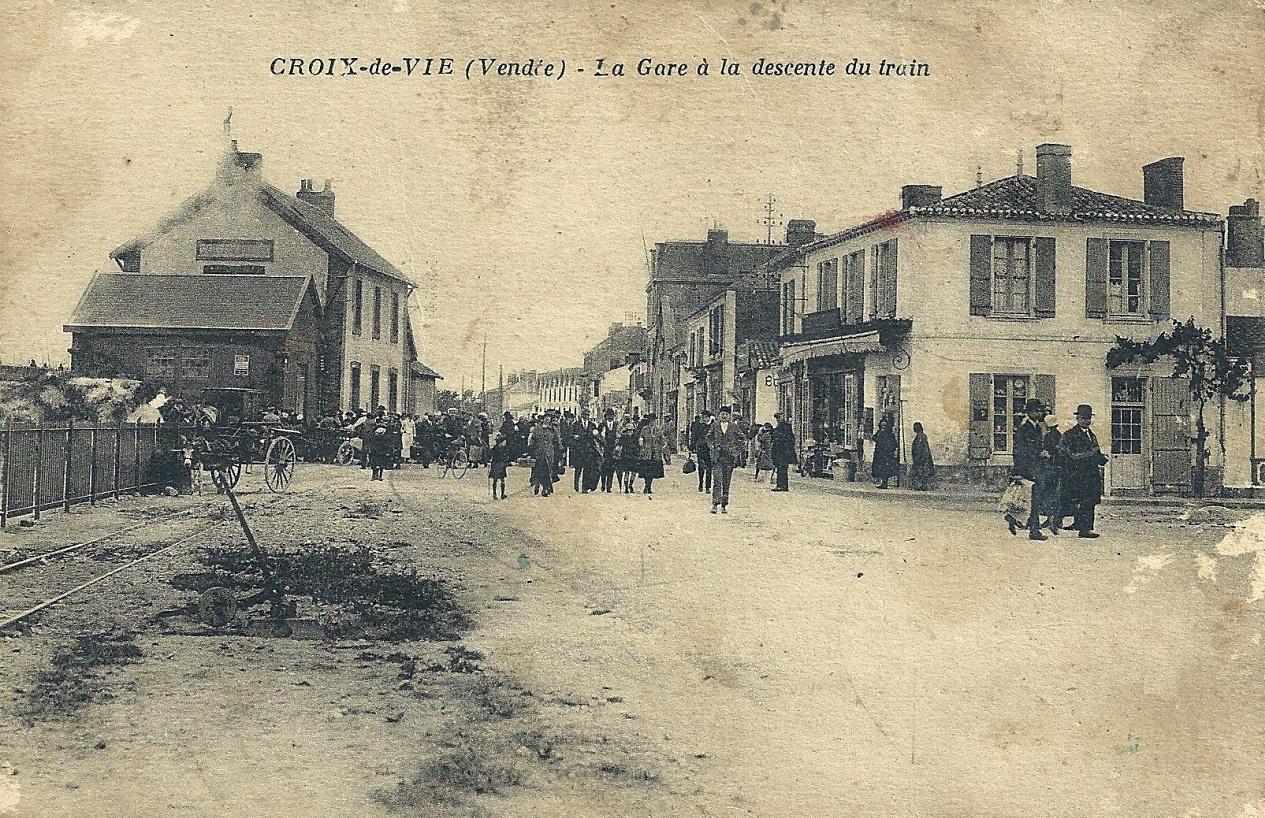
x=860, y=343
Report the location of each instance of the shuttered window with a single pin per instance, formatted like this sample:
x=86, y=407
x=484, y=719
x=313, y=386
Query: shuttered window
x=828, y=284
x=997, y=408
x=885, y=264
x=1012, y=279
x=788, y=308
x=1012, y=276
x=1127, y=279
x=854, y=288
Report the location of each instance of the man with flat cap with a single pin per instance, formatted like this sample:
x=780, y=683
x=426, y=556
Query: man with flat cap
x=1082, y=471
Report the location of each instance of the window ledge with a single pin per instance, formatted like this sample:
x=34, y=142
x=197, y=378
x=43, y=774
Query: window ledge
x=1128, y=319
x=1011, y=317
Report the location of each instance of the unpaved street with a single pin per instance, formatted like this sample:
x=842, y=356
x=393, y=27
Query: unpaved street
x=807, y=654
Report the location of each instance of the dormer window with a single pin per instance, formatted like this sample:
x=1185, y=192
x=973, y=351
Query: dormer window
x=234, y=251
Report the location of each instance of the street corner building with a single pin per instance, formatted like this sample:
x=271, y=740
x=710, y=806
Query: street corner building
x=247, y=297
x=954, y=311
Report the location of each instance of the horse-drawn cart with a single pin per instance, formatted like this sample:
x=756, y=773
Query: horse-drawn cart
x=226, y=451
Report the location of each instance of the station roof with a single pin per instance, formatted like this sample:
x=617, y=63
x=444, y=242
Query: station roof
x=232, y=302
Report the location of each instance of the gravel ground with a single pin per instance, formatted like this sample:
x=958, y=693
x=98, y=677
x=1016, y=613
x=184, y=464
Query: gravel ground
x=806, y=654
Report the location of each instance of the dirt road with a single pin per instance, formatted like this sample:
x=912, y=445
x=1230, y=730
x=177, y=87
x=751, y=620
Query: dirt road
x=807, y=654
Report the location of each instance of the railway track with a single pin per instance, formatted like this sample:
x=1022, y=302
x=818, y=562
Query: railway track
x=37, y=582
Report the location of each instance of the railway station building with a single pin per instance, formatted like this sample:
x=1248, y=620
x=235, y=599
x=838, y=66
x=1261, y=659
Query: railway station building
x=247, y=297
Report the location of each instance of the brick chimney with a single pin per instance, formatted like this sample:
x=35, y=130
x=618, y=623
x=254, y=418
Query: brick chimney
x=1163, y=184
x=716, y=254
x=322, y=200
x=1054, y=177
x=1244, y=236
x=800, y=231
x=919, y=196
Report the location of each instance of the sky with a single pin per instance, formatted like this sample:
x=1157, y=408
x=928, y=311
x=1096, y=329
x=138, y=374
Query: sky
x=523, y=206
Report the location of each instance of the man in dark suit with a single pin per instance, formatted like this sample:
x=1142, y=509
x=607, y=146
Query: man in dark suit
x=1029, y=435
x=784, y=452
x=608, y=438
x=725, y=443
x=698, y=447
x=1082, y=471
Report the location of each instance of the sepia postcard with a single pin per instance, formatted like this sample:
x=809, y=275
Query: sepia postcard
x=774, y=408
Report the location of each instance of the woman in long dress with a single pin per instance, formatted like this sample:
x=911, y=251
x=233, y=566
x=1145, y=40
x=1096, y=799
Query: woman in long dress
x=886, y=464
x=652, y=447
x=923, y=468
x=763, y=450
x=544, y=446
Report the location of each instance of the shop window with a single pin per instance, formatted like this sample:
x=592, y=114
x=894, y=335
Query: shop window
x=160, y=363
x=1010, y=393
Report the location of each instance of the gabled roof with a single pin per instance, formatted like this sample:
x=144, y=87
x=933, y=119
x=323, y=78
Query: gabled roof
x=762, y=354
x=324, y=230
x=232, y=302
x=425, y=371
x=1016, y=197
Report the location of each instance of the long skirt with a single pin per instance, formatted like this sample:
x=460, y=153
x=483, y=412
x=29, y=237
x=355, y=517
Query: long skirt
x=652, y=468
x=542, y=471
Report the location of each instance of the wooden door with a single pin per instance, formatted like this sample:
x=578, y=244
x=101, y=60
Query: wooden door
x=1171, y=431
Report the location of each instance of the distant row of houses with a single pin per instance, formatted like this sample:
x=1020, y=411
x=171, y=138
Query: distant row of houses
x=954, y=311
x=249, y=297
x=608, y=379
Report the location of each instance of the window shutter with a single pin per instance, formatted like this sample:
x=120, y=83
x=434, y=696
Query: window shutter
x=889, y=281
x=856, y=288
x=980, y=440
x=1044, y=277
x=1043, y=390
x=1160, y=280
x=981, y=275
x=1095, y=278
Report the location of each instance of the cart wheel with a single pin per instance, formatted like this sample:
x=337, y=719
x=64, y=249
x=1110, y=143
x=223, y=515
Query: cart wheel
x=460, y=462
x=279, y=464
x=346, y=454
x=217, y=607
x=227, y=476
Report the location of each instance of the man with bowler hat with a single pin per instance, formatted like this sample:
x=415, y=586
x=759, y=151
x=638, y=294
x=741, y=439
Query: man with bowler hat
x=1029, y=435
x=1082, y=471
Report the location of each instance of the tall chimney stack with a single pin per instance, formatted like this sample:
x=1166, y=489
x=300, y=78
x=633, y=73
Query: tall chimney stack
x=1054, y=177
x=800, y=231
x=1163, y=183
x=1244, y=236
x=322, y=200
x=919, y=196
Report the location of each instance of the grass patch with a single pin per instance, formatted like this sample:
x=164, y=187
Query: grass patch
x=360, y=594
x=75, y=679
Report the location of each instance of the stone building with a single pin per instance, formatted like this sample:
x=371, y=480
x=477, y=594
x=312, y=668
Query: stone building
x=953, y=311
x=247, y=296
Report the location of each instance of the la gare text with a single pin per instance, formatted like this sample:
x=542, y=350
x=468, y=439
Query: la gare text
x=491, y=67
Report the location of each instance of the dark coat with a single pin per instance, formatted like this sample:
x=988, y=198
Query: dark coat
x=727, y=445
x=784, y=453
x=886, y=461
x=1027, y=450
x=501, y=457
x=1082, y=466
x=923, y=465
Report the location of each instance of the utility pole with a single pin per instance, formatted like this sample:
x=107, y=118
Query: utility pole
x=483, y=375
x=771, y=218
x=500, y=377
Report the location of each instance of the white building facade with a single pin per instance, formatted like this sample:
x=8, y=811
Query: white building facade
x=953, y=312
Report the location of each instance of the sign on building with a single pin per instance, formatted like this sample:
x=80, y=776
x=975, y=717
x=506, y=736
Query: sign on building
x=241, y=365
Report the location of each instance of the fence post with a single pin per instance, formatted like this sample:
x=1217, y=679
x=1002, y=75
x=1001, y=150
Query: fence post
x=136, y=438
x=92, y=465
x=4, y=472
x=118, y=452
x=39, y=469
x=66, y=482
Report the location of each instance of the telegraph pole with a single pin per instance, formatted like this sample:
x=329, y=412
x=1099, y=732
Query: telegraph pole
x=483, y=375
x=771, y=218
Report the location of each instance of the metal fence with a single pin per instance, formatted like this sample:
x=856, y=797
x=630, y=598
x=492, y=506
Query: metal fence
x=63, y=464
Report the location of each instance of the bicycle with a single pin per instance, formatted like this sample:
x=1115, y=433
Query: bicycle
x=456, y=461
